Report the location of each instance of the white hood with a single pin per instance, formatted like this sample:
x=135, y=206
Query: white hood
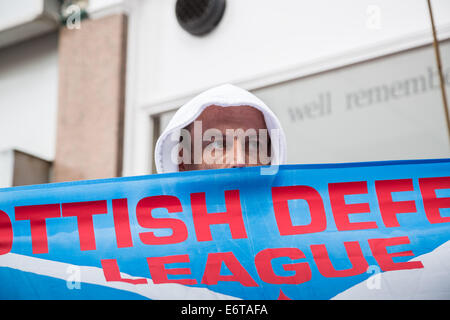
x=225, y=96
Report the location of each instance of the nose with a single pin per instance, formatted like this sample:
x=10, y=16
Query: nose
x=239, y=154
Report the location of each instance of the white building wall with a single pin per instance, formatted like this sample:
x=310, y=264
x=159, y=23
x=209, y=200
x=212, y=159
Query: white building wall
x=29, y=95
x=257, y=38
x=6, y=168
x=261, y=43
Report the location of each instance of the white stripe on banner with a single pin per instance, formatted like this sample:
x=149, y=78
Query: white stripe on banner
x=94, y=275
x=430, y=282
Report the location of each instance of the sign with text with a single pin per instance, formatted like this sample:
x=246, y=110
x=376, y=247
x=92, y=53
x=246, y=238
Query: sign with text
x=349, y=231
x=381, y=109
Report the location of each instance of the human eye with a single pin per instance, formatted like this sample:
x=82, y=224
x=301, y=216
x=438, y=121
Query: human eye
x=253, y=144
x=218, y=143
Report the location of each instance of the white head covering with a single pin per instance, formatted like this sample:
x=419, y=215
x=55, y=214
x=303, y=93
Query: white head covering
x=224, y=96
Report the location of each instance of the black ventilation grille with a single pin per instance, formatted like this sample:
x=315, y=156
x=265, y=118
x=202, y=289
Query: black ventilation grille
x=199, y=17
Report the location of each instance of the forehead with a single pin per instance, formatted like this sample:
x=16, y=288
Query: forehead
x=244, y=117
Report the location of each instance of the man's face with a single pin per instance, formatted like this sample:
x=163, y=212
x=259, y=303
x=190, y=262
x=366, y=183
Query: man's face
x=227, y=137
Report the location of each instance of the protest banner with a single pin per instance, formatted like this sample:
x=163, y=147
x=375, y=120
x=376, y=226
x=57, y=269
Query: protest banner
x=342, y=231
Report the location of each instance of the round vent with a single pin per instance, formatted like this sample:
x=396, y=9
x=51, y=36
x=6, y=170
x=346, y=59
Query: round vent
x=199, y=17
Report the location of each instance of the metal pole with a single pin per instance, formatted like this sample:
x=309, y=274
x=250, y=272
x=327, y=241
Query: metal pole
x=439, y=65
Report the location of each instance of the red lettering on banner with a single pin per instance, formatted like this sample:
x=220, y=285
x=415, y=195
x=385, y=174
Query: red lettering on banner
x=326, y=268
x=263, y=262
x=37, y=215
x=280, y=197
x=282, y=296
x=342, y=210
x=84, y=212
x=122, y=223
x=431, y=202
x=384, y=259
x=213, y=266
x=144, y=217
x=388, y=208
x=112, y=273
x=159, y=272
x=6, y=233
x=203, y=220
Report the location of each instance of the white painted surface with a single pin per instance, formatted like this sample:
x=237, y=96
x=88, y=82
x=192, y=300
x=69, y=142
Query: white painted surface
x=95, y=275
x=259, y=43
x=258, y=37
x=6, y=168
x=26, y=19
x=432, y=282
x=29, y=96
x=15, y=13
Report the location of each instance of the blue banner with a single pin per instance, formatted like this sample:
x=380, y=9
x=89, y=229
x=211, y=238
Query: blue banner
x=342, y=231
